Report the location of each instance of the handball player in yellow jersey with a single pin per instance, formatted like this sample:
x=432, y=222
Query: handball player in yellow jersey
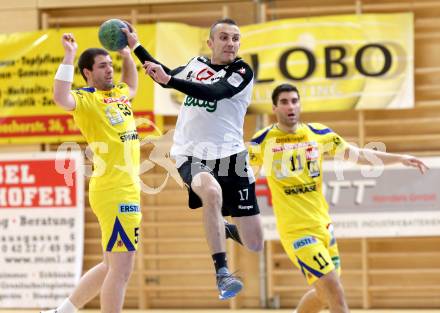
x=103, y=113
x=291, y=154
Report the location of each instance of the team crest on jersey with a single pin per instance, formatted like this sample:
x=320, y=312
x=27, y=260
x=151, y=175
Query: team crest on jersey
x=242, y=71
x=204, y=74
x=113, y=115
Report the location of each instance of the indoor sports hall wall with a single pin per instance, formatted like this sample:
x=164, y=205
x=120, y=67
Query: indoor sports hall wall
x=173, y=268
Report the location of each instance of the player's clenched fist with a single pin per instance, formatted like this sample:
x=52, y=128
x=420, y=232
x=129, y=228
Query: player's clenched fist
x=69, y=43
x=156, y=72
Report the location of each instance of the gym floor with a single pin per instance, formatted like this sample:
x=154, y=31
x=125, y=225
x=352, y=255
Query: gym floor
x=239, y=311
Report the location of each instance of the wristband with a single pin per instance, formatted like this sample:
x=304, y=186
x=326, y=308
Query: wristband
x=65, y=73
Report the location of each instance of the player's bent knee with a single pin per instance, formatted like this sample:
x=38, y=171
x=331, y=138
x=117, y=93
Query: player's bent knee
x=320, y=295
x=122, y=274
x=251, y=232
x=255, y=244
x=335, y=287
x=331, y=285
x=212, y=197
x=256, y=247
x=105, y=267
x=203, y=180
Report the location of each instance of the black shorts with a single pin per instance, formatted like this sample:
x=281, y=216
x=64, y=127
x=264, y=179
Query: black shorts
x=238, y=189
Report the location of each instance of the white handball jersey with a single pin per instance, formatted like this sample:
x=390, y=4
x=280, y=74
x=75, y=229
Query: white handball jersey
x=210, y=126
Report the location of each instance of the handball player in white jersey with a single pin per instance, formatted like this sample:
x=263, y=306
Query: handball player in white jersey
x=208, y=143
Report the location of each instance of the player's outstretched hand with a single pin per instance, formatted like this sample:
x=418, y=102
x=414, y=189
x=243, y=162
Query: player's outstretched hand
x=132, y=37
x=69, y=43
x=409, y=160
x=156, y=72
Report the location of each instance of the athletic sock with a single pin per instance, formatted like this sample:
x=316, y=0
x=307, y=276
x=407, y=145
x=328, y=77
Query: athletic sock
x=67, y=307
x=219, y=260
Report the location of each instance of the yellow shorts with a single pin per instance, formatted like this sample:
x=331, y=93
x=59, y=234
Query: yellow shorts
x=313, y=251
x=119, y=216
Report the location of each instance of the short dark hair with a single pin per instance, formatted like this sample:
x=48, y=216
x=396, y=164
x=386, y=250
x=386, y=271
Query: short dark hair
x=87, y=59
x=282, y=88
x=228, y=21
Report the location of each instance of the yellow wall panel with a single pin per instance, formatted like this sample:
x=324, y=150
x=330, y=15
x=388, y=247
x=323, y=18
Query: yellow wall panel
x=4, y=4
x=18, y=20
x=82, y=3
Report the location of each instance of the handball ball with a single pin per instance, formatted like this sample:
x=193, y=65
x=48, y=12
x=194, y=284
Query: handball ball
x=111, y=36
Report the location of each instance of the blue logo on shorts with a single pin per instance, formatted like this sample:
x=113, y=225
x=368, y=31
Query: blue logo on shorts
x=306, y=241
x=129, y=208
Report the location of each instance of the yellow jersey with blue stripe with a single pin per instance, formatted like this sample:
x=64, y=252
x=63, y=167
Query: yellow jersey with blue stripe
x=106, y=120
x=292, y=163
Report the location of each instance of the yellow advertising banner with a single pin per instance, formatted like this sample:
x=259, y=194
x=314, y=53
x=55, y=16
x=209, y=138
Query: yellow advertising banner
x=178, y=43
x=337, y=62
x=28, y=62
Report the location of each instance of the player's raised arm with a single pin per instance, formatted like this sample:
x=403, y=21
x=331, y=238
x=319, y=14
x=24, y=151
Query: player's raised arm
x=129, y=71
x=64, y=76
